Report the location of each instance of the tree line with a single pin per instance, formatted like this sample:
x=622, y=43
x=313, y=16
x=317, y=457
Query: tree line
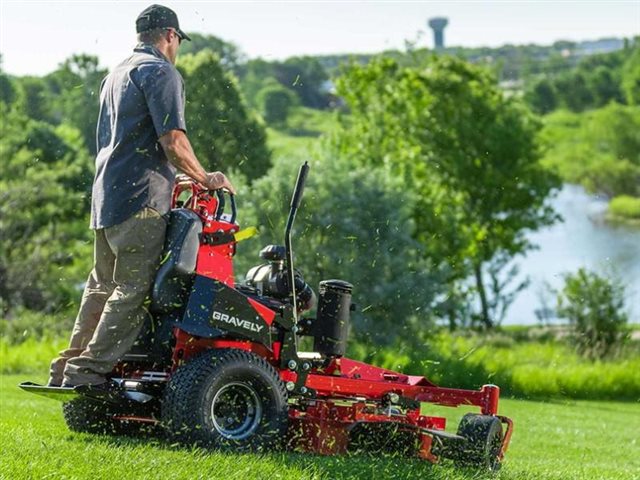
x=423, y=197
x=596, y=81
x=47, y=149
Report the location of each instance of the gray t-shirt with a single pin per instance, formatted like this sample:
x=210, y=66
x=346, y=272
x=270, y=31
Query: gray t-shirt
x=140, y=100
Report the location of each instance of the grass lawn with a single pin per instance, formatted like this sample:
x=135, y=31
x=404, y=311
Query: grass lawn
x=565, y=440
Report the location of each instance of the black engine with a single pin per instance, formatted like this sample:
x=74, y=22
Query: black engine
x=270, y=279
x=330, y=329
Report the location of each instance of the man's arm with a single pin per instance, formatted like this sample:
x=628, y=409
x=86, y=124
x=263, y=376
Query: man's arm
x=178, y=149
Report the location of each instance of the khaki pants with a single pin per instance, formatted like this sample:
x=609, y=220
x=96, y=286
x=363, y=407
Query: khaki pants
x=115, y=299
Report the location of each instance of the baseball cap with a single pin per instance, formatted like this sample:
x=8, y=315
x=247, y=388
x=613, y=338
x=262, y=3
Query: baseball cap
x=158, y=16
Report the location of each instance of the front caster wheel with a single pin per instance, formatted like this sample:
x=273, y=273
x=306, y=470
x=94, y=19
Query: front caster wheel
x=484, y=439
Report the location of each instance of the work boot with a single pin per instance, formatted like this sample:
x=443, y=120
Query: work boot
x=58, y=364
x=54, y=382
x=96, y=381
x=56, y=377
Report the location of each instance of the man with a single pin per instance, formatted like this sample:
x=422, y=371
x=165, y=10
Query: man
x=140, y=140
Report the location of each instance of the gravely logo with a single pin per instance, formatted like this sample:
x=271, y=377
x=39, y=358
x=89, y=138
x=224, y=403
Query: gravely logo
x=254, y=327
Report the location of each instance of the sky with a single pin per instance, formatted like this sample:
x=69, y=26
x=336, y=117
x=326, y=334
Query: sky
x=36, y=36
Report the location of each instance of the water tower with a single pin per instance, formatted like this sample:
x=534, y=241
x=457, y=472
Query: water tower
x=437, y=24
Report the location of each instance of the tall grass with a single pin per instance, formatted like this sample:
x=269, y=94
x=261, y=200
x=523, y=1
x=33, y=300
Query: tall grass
x=30, y=340
x=30, y=356
x=523, y=364
x=27, y=324
x=537, y=368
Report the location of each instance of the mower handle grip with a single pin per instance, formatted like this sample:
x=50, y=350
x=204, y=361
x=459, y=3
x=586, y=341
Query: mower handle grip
x=299, y=190
x=221, y=204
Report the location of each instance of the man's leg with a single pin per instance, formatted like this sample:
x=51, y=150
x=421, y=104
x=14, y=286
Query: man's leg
x=137, y=244
x=99, y=287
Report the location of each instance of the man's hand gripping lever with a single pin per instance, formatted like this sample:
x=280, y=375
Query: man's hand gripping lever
x=218, y=180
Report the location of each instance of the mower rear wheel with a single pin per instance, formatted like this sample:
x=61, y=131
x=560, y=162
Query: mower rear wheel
x=484, y=440
x=226, y=399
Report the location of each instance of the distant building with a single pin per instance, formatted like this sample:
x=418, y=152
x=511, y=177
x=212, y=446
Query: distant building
x=437, y=24
x=603, y=45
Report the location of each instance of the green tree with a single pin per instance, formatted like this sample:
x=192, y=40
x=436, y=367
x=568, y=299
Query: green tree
x=591, y=82
x=276, y=102
x=631, y=76
x=8, y=91
x=225, y=134
x=355, y=223
x=542, y=97
x=468, y=151
x=573, y=91
x=75, y=90
x=34, y=98
x=230, y=55
x=594, y=305
x=604, y=86
x=613, y=138
x=306, y=77
x=254, y=76
x=599, y=149
x=44, y=240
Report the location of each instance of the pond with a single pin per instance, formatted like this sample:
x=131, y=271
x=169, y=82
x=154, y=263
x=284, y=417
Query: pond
x=584, y=239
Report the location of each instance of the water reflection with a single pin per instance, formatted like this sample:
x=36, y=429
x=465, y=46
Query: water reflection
x=583, y=240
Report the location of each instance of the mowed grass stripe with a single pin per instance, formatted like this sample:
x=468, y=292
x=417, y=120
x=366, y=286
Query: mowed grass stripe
x=567, y=440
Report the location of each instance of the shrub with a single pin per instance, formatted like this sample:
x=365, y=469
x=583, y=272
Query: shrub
x=594, y=305
x=28, y=325
x=625, y=206
x=392, y=277
x=598, y=149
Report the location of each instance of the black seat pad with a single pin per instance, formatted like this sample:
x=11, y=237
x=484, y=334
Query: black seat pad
x=178, y=265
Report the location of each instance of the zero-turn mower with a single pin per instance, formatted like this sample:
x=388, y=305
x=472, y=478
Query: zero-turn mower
x=218, y=365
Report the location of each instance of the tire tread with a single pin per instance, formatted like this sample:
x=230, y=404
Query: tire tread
x=182, y=392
